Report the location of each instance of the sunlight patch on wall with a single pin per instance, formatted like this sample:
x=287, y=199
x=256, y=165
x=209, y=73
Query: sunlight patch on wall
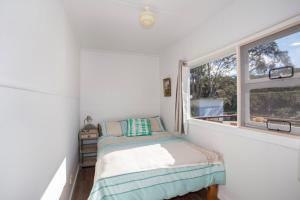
x=56, y=186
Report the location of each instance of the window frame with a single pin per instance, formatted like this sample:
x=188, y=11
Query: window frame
x=248, y=84
x=243, y=78
x=266, y=39
x=209, y=58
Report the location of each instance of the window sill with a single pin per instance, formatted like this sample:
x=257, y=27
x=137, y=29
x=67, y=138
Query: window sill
x=282, y=139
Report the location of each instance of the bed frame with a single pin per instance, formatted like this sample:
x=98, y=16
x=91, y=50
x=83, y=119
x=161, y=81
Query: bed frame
x=212, y=192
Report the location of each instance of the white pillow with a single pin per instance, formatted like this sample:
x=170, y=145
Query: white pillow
x=156, y=124
x=113, y=128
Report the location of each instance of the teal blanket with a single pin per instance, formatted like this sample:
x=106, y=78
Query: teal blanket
x=154, y=184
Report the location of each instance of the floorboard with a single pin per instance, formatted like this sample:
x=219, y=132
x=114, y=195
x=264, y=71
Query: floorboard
x=84, y=185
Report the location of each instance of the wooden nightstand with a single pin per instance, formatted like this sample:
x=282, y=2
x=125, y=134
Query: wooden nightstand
x=88, y=147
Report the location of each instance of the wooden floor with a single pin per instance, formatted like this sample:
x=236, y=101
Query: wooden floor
x=85, y=182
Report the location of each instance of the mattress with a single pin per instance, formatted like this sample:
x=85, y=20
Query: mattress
x=161, y=166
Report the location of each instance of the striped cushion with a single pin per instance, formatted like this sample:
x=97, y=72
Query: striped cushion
x=138, y=127
x=124, y=126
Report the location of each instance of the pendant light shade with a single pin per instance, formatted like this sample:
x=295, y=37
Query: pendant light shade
x=147, y=18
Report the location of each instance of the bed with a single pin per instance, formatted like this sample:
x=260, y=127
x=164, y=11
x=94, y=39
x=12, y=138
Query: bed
x=160, y=166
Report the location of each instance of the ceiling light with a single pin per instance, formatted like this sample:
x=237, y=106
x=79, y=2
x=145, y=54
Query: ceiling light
x=147, y=18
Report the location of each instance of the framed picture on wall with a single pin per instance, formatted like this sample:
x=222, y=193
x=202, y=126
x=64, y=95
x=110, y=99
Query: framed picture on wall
x=167, y=87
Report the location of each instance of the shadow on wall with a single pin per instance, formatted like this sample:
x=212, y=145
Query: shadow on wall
x=56, y=186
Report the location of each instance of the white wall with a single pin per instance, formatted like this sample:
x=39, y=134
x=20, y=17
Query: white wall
x=39, y=95
x=116, y=85
x=255, y=169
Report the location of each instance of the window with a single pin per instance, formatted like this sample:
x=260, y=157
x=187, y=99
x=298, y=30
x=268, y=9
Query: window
x=275, y=103
x=274, y=56
x=213, y=90
x=271, y=85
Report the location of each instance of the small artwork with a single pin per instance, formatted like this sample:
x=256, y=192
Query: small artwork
x=167, y=87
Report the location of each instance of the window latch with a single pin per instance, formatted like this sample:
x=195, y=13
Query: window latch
x=279, y=125
x=281, y=72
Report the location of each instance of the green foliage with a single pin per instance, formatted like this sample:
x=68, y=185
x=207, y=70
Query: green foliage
x=216, y=79
x=281, y=103
x=264, y=57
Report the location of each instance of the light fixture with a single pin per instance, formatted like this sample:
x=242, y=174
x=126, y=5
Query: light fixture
x=88, y=119
x=87, y=124
x=147, y=18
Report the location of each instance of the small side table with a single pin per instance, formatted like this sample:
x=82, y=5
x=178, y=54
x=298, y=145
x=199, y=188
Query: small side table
x=88, y=147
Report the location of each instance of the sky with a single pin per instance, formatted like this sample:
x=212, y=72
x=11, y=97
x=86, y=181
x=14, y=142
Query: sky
x=291, y=43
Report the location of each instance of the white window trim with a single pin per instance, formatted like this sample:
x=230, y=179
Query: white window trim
x=249, y=84
x=211, y=57
x=285, y=140
x=265, y=80
x=240, y=90
x=205, y=60
x=257, y=36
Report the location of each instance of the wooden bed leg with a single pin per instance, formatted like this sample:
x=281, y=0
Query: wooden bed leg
x=212, y=192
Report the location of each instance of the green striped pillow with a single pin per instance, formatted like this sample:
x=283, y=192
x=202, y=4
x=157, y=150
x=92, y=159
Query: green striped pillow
x=138, y=127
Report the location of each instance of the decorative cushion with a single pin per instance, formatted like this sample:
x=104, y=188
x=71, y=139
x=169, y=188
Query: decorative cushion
x=103, y=128
x=138, y=127
x=124, y=126
x=156, y=124
x=113, y=128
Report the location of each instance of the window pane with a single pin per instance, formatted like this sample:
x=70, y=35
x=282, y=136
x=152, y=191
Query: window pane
x=278, y=53
x=275, y=104
x=213, y=90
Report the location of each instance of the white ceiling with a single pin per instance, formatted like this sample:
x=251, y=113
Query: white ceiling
x=114, y=25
